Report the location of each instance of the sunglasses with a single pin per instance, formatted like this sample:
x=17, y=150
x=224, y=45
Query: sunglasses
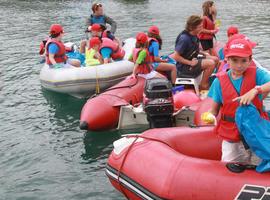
x=98, y=5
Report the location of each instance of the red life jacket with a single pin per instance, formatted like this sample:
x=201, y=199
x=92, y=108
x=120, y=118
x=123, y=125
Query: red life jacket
x=104, y=34
x=150, y=40
x=209, y=25
x=145, y=67
x=60, y=56
x=117, y=53
x=226, y=127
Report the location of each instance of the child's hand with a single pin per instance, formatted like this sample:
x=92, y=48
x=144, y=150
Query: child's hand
x=215, y=31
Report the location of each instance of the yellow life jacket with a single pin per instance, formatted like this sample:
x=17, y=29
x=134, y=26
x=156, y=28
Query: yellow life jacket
x=90, y=60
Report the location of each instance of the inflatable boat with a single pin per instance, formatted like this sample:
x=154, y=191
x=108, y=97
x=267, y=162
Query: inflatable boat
x=180, y=163
x=102, y=112
x=84, y=81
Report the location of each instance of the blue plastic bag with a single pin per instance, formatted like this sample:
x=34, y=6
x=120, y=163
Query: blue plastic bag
x=76, y=55
x=256, y=132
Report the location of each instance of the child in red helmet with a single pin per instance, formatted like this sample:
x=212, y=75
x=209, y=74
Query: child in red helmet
x=140, y=56
x=155, y=43
x=92, y=55
x=55, y=49
x=231, y=31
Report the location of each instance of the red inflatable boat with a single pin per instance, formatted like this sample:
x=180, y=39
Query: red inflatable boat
x=180, y=164
x=102, y=112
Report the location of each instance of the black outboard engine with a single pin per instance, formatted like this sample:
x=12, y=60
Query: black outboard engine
x=158, y=102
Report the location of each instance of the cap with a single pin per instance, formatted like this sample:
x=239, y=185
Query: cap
x=232, y=30
x=94, y=41
x=238, y=36
x=96, y=27
x=242, y=36
x=239, y=48
x=56, y=29
x=141, y=38
x=154, y=30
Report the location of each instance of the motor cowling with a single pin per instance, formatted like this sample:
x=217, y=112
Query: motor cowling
x=158, y=102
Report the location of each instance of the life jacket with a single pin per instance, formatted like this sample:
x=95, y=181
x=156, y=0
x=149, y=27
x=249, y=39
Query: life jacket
x=60, y=56
x=150, y=40
x=90, y=59
x=209, y=25
x=104, y=34
x=117, y=53
x=226, y=127
x=98, y=20
x=145, y=67
x=192, y=52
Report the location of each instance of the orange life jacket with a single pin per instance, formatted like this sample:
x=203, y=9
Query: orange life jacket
x=117, y=53
x=60, y=56
x=145, y=67
x=226, y=127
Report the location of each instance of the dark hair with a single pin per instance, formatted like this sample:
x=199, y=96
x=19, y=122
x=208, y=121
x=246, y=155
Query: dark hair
x=192, y=22
x=159, y=39
x=54, y=35
x=95, y=6
x=206, y=7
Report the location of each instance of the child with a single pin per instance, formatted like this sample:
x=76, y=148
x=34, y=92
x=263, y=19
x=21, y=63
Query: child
x=155, y=43
x=232, y=30
x=141, y=57
x=55, y=50
x=224, y=66
x=92, y=55
x=209, y=30
x=242, y=77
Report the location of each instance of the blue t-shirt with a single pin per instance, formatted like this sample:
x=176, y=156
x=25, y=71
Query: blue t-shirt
x=106, y=52
x=154, y=48
x=262, y=77
x=187, y=46
x=53, y=48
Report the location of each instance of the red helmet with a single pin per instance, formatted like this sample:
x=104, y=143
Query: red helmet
x=94, y=41
x=154, y=30
x=56, y=29
x=141, y=38
x=232, y=30
x=96, y=27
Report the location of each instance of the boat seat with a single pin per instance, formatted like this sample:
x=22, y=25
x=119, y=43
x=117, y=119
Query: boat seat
x=189, y=80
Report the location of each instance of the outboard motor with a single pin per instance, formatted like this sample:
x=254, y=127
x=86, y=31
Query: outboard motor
x=158, y=102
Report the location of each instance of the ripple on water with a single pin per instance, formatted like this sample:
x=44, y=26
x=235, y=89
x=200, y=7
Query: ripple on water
x=43, y=153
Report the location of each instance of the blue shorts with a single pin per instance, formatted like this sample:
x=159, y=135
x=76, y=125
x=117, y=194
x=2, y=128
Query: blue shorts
x=155, y=65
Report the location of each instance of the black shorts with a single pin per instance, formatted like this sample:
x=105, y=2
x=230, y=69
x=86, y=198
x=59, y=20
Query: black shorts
x=191, y=71
x=207, y=44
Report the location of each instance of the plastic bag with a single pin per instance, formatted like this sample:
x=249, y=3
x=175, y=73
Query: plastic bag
x=256, y=132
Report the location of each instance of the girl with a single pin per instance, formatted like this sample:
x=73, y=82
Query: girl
x=55, y=49
x=92, y=55
x=208, y=32
x=142, y=59
x=155, y=44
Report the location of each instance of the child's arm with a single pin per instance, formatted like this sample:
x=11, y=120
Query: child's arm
x=251, y=94
x=99, y=57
